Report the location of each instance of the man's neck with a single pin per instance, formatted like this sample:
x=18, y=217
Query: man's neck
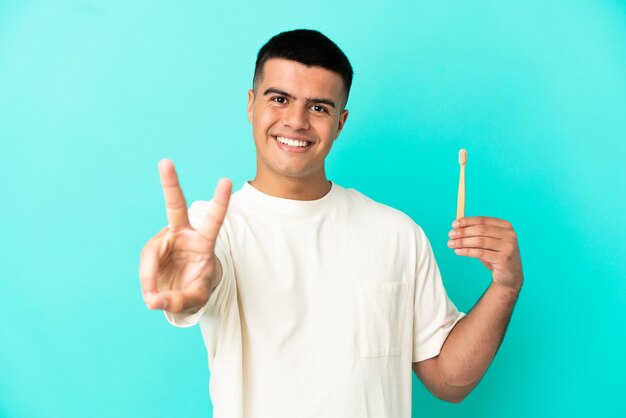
x=293, y=188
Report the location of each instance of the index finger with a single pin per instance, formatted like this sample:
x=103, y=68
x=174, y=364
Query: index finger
x=480, y=220
x=175, y=204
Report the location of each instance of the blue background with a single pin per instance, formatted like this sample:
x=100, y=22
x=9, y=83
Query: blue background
x=94, y=93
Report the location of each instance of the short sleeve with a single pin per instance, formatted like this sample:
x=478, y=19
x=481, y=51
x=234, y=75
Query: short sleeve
x=223, y=292
x=434, y=314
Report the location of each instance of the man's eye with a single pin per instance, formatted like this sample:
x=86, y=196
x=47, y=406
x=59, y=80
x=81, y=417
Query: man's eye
x=318, y=108
x=280, y=99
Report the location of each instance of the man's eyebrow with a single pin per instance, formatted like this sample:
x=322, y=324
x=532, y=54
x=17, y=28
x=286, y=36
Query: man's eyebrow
x=322, y=101
x=273, y=90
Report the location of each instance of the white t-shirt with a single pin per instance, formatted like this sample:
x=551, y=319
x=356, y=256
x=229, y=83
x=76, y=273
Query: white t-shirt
x=322, y=308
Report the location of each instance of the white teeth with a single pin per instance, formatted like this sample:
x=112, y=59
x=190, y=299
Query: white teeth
x=292, y=142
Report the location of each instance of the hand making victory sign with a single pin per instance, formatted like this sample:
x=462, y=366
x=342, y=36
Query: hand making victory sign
x=178, y=268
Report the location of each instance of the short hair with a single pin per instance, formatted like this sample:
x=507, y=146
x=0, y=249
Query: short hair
x=308, y=47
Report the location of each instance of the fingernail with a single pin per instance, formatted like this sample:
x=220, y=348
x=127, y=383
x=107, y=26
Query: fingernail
x=452, y=234
x=457, y=251
x=451, y=244
x=455, y=224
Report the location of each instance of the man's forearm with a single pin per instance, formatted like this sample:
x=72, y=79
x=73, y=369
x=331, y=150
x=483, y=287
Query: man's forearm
x=474, y=341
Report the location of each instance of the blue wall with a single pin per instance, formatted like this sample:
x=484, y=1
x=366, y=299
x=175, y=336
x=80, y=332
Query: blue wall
x=94, y=93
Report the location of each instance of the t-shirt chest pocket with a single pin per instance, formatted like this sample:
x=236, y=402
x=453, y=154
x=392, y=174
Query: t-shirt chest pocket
x=382, y=307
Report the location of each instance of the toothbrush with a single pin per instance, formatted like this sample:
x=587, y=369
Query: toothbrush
x=460, y=206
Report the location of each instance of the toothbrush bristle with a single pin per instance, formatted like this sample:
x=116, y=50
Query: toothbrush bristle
x=462, y=157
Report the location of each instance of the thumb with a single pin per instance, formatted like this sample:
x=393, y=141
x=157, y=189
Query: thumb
x=176, y=301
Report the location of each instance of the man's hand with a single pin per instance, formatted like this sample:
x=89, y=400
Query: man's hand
x=494, y=242
x=178, y=268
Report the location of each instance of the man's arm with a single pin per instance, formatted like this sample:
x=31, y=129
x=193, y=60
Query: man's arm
x=473, y=342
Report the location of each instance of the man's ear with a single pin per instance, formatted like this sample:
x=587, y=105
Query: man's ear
x=342, y=121
x=250, y=102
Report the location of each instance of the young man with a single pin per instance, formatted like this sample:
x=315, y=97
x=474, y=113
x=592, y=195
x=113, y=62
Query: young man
x=314, y=300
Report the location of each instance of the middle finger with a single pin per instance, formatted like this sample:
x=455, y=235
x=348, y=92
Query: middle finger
x=485, y=243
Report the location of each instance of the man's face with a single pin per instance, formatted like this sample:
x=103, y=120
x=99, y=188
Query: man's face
x=296, y=114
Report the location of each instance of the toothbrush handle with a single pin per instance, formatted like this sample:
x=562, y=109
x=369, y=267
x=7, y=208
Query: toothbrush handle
x=460, y=205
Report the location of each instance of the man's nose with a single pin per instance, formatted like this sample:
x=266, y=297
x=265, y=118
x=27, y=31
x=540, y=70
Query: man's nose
x=296, y=118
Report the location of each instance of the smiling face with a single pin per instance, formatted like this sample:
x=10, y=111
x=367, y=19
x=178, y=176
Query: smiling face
x=296, y=114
